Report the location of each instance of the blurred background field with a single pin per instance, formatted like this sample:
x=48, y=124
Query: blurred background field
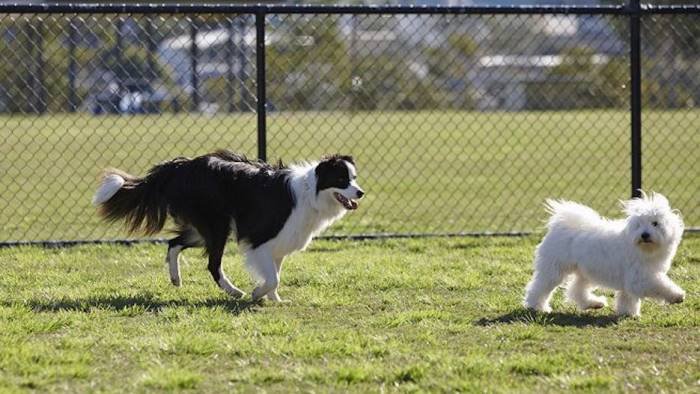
x=427, y=172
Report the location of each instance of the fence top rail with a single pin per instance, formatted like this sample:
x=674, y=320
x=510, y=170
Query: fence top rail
x=211, y=8
x=671, y=9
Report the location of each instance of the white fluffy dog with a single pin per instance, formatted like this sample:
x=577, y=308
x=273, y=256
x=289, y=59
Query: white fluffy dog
x=631, y=256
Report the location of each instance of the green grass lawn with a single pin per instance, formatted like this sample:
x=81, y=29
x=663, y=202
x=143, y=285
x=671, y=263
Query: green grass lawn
x=394, y=315
x=446, y=171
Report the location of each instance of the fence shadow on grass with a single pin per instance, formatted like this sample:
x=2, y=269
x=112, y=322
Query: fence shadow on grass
x=145, y=302
x=550, y=319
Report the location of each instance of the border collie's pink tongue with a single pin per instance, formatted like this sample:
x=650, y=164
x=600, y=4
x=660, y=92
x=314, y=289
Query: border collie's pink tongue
x=347, y=203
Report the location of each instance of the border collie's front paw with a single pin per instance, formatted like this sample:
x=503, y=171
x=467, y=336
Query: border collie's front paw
x=258, y=294
x=274, y=297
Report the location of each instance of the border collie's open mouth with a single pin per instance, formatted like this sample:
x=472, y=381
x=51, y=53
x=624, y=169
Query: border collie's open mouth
x=347, y=203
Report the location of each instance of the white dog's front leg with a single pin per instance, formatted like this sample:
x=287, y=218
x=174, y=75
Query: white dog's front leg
x=663, y=288
x=627, y=304
x=261, y=262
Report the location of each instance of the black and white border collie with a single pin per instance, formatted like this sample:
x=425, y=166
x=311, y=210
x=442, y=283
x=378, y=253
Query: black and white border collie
x=271, y=210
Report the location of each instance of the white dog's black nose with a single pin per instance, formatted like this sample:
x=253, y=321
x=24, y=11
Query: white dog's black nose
x=360, y=193
x=645, y=236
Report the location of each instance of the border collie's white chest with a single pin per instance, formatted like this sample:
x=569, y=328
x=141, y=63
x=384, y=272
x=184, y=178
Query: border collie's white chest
x=303, y=224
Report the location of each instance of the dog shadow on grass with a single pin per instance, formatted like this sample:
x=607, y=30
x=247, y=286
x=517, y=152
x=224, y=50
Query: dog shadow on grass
x=137, y=303
x=550, y=319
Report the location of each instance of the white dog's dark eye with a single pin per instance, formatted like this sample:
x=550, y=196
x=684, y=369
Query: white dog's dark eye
x=655, y=224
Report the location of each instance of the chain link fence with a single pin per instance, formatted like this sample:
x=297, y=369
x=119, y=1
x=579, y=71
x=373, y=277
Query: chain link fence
x=460, y=120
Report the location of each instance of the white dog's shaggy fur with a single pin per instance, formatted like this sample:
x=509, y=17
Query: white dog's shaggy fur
x=631, y=255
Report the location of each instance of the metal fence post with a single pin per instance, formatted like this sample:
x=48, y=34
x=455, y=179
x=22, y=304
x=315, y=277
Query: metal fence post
x=152, y=48
x=118, y=49
x=636, y=96
x=194, y=77
x=243, y=97
x=40, y=93
x=262, y=100
x=230, y=64
x=72, y=65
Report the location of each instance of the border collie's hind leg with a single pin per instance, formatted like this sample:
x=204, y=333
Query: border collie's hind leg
x=188, y=238
x=215, y=249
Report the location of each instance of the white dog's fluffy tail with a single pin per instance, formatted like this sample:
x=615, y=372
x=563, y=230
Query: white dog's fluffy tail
x=571, y=215
x=111, y=184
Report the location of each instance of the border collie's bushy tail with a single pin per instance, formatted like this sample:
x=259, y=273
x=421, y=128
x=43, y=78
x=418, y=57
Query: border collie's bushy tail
x=139, y=201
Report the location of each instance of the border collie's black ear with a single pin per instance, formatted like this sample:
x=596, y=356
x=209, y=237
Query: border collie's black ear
x=320, y=167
